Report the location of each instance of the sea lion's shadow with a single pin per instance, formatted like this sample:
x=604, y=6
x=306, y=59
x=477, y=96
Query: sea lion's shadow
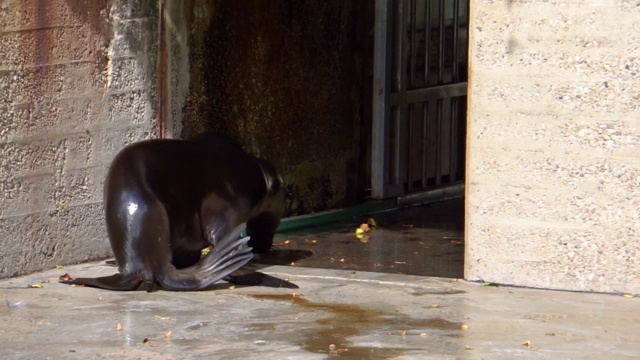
x=249, y=275
x=279, y=257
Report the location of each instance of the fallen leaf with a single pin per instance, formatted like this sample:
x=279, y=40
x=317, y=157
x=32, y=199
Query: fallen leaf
x=364, y=227
x=167, y=336
x=59, y=267
x=341, y=260
x=464, y=327
x=363, y=239
x=287, y=242
x=453, y=280
x=146, y=341
x=100, y=298
x=467, y=347
x=628, y=295
x=119, y=326
x=35, y=286
x=232, y=287
x=65, y=277
x=423, y=334
x=163, y=317
x=205, y=251
x=293, y=263
x=527, y=344
x=372, y=222
x=433, y=306
x=403, y=333
x=359, y=232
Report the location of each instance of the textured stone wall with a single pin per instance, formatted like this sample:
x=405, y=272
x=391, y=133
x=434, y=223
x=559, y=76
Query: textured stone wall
x=284, y=78
x=77, y=83
x=553, y=186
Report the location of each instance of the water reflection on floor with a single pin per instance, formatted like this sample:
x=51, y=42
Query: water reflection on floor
x=425, y=240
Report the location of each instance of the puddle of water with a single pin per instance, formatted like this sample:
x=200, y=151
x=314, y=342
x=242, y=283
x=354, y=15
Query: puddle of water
x=197, y=326
x=348, y=320
x=443, y=292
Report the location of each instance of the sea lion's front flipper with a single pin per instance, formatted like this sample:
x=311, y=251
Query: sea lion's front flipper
x=227, y=256
x=114, y=282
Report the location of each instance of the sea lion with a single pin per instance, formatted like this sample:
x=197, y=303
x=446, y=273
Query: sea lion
x=167, y=199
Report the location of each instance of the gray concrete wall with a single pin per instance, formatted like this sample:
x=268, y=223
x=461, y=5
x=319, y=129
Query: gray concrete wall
x=77, y=83
x=553, y=184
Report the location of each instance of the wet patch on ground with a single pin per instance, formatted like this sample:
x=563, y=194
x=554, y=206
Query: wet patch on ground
x=425, y=240
x=342, y=321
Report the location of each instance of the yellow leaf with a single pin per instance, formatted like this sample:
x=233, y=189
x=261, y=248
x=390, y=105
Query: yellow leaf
x=372, y=222
x=628, y=295
x=35, y=286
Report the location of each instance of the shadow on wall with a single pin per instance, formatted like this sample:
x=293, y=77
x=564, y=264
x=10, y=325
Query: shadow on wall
x=284, y=77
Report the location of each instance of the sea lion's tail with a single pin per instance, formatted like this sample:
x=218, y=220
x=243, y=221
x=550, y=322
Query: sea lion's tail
x=228, y=255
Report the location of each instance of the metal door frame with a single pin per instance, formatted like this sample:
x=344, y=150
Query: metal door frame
x=390, y=93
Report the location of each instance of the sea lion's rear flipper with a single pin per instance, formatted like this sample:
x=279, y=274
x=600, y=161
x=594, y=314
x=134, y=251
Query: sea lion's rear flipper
x=251, y=277
x=227, y=256
x=114, y=282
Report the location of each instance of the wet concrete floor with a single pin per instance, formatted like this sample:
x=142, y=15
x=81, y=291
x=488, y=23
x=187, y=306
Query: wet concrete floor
x=345, y=313
x=424, y=240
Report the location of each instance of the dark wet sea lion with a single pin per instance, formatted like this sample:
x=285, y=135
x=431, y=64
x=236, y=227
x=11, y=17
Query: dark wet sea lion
x=166, y=200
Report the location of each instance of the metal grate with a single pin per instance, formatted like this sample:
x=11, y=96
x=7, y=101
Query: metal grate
x=419, y=95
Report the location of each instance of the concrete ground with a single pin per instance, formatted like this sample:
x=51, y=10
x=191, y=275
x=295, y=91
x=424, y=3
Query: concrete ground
x=356, y=315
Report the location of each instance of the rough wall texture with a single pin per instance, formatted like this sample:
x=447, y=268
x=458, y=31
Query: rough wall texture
x=553, y=195
x=283, y=76
x=76, y=84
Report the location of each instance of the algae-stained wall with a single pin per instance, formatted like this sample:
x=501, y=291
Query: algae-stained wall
x=553, y=186
x=77, y=83
x=284, y=77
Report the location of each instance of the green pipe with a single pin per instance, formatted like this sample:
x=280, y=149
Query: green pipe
x=330, y=216
x=371, y=207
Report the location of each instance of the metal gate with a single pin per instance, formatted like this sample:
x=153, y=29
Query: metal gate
x=419, y=95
